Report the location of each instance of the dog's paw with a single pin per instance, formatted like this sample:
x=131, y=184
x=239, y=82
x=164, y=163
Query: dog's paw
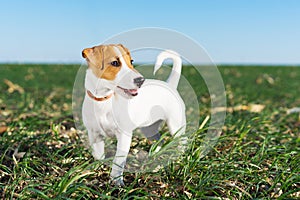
x=117, y=182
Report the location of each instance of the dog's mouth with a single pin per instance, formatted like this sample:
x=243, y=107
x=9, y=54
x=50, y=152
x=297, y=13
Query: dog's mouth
x=130, y=92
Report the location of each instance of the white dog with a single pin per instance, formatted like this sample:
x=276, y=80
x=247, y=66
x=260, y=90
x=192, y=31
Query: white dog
x=118, y=100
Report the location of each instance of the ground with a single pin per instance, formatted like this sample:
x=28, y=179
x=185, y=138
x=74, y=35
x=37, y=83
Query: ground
x=257, y=155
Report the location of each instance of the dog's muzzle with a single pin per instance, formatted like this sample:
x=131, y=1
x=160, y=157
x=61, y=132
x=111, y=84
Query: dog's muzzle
x=139, y=81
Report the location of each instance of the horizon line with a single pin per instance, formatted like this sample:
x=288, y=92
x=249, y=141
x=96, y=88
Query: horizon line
x=145, y=63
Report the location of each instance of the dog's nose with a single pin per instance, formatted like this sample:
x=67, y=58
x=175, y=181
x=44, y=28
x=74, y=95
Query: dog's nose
x=139, y=81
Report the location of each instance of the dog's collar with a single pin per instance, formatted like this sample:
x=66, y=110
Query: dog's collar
x=90, y=94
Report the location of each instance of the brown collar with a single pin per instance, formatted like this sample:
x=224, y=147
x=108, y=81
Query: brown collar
x=98, y=98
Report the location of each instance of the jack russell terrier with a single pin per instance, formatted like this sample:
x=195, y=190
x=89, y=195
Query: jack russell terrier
x=118, y=100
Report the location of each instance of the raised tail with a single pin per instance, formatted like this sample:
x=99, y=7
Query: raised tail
x=174, y=77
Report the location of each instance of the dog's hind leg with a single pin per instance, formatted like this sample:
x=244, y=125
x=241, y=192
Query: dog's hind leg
x=177, y=126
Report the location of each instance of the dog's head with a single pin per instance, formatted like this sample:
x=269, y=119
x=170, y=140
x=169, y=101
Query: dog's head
x=113, y=63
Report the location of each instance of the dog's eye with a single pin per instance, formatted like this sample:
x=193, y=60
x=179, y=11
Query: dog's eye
x=115, y=63
x=131, y=61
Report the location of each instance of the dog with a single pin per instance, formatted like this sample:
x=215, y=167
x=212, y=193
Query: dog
x=118, y=100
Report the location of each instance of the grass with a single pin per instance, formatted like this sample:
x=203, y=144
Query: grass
x=257, y=155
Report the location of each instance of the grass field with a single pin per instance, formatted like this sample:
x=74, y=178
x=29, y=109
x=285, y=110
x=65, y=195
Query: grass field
x=257, y=155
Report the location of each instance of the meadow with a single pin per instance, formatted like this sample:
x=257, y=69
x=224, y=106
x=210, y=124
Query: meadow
x=256, y=156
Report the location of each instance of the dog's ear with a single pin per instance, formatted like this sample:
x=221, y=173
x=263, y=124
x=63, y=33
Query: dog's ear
x=86, y=52
x=94, y=56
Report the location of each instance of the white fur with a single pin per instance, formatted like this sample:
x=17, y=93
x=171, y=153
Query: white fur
x=121, y=114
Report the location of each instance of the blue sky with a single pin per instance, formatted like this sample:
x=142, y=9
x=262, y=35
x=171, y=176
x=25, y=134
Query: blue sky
x=231, y=31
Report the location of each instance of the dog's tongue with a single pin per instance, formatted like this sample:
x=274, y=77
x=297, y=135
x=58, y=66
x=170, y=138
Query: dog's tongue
x=133, y=91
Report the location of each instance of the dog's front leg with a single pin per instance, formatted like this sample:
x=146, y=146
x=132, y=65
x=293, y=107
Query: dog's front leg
x=123, y=146
x=96, y=141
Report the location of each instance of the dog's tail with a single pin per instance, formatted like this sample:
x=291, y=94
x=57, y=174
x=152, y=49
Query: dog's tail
x=174, y=77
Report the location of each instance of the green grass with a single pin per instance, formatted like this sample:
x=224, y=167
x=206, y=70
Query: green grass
x=257, y=155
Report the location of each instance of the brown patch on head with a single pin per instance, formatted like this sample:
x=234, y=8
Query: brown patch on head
x=99, y=60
